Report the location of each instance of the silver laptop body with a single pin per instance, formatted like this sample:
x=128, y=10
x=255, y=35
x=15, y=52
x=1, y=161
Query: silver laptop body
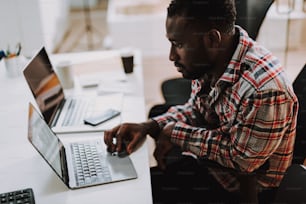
x=63, y=158
x=66, y=114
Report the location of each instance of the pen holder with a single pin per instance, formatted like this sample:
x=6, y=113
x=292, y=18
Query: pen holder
x=13, y=66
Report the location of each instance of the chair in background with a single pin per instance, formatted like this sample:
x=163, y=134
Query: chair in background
x=250, y=16
x=175, y=91
x=171, y=92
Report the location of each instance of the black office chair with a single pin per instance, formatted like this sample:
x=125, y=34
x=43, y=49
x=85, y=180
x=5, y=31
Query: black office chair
x=172, y=90
x=175, y=91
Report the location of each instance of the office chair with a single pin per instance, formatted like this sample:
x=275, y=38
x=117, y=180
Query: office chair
x=250, y=16
x=175, y=91
x=172, y=90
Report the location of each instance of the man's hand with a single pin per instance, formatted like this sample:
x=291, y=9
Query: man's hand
x=163, y=145
x=131, y=133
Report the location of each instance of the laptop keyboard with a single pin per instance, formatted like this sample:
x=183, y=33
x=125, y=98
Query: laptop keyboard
x=23, y=196
x=90, y=165
x=75, y=113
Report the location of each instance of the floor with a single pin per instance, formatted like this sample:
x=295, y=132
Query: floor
x=81, y=38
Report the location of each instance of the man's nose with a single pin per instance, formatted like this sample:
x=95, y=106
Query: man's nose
x=173, y=56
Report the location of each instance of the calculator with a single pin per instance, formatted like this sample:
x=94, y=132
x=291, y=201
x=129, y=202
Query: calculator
x=22, y=196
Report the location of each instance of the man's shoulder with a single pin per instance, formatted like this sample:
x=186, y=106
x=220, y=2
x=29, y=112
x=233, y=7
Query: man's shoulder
x=262, y=69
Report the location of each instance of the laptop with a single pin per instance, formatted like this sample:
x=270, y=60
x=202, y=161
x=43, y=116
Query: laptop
x=65, y=114
x=78, y=163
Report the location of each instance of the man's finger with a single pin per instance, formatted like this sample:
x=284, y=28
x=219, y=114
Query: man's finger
x=108, y=138
x=131, y=146
x=118, y=141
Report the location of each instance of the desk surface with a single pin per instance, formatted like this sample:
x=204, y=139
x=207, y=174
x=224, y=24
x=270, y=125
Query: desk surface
x=22, y=167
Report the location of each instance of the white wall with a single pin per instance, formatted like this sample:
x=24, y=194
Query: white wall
x=33, y=23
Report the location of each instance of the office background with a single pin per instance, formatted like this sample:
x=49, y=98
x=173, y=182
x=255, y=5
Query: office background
x=82, y=25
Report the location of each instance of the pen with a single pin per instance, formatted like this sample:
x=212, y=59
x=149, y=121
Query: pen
x=8, y=54
x=2, y=54
x=18, y=49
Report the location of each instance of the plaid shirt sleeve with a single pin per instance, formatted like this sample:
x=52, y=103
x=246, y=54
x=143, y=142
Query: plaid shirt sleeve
x=181, y=113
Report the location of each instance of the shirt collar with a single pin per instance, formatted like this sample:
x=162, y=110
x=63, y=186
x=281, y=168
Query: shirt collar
x=232, y=72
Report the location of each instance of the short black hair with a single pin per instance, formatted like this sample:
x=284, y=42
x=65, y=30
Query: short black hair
x=219, y=14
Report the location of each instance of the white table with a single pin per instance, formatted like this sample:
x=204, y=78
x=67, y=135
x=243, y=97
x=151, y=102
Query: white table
x=22, y=167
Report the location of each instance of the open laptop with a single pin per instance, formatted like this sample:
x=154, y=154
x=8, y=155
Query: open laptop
x=66, y=114
x=79, y=163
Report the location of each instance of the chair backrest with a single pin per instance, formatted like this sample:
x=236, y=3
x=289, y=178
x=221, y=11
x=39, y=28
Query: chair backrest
x=299, y=86
x=176, y=91
x=251, y=13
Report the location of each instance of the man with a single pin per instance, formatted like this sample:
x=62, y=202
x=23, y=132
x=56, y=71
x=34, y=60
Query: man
x=241, y=113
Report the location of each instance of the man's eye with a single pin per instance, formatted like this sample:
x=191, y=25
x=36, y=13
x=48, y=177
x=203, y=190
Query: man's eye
x=177, y=45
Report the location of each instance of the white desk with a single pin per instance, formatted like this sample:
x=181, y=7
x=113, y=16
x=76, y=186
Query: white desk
x=22, y=167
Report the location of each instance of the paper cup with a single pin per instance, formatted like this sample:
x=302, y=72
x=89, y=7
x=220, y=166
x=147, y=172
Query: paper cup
x=64, y=72
x=127, y=58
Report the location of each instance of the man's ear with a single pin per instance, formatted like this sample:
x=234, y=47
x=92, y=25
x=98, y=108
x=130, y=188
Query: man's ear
x=212, y=39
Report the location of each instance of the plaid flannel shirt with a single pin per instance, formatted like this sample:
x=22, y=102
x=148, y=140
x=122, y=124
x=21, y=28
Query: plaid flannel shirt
x=247, y=120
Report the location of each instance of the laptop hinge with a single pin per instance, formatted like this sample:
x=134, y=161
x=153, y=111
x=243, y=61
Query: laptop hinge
x=55, y=118
x=64, y=165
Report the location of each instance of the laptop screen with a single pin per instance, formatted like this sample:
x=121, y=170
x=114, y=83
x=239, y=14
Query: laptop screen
x=44, y=84
x=44, y=140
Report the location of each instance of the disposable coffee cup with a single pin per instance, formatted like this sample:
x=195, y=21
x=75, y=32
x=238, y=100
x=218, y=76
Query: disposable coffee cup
x=64, y=71
x=127, y=58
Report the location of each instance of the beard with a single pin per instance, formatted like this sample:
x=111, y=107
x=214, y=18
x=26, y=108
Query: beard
x=195, y=71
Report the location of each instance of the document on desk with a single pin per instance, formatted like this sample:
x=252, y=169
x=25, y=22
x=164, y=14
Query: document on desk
x=110, y=87
x=91, y=73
